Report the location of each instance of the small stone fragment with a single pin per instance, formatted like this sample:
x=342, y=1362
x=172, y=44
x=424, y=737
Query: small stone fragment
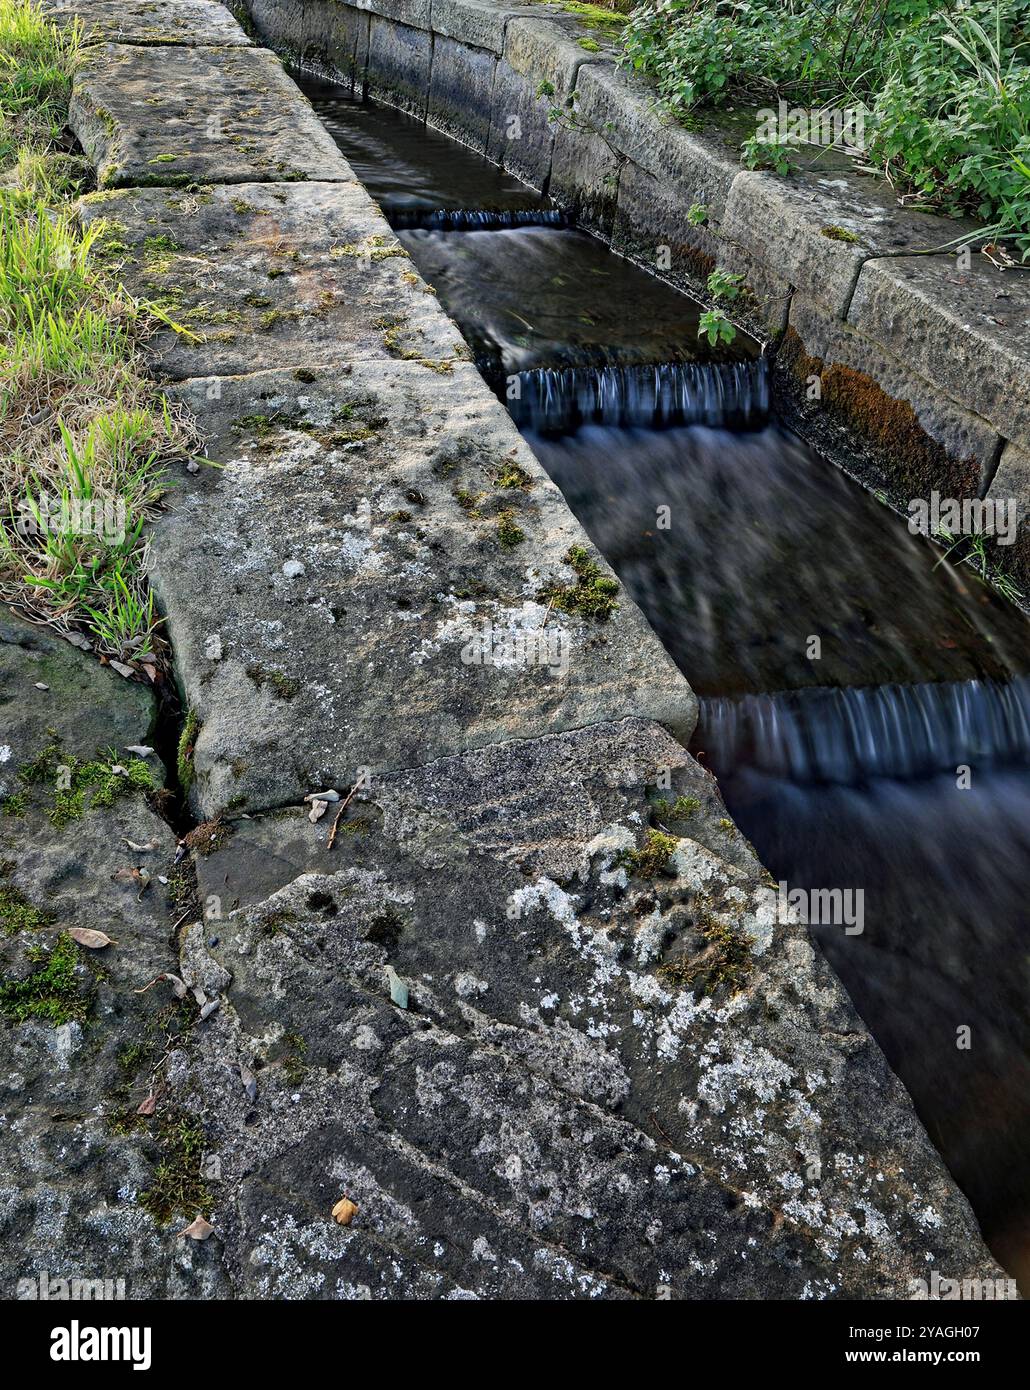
x=398, y=989
x=293, y=569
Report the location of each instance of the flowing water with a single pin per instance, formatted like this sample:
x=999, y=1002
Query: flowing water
x=864, y=704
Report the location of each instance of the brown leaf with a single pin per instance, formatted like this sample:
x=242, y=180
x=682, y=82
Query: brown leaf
x=146, y=1107
x=345, y=1211
x=95, y=940
x=198, y=1229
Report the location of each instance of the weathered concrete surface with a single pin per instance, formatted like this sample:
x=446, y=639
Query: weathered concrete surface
x=262, y=274
x=359, y=537
x=321, y=35
x=968, y=331
x=550, y=1116
x=188, y=22
x=73, y=1155
x=175, y=115
x=877, y=418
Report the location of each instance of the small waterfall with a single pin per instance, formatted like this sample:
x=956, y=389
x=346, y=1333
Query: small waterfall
x=472, y=220
x=848, y=735
x=558, y=401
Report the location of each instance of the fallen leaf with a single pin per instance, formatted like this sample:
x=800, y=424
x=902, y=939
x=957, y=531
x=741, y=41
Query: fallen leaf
x=95, y=940
x=209, y=1008
x=329, y=795
x=318, y=810
x=42, y=685
x=178, y=987
x=142, y=750
x=198, y=1229
x=143, y=849
x=345, y=1211
x=122, y=669
x=146, y=1107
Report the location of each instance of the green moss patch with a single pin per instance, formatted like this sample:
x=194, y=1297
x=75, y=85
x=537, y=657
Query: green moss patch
x=653, y=856
x=17, y=913
x=80, y=786
x=725, y=961
x=185, y=750
x=51, y=993
x=592, y=595
x=177, y=1187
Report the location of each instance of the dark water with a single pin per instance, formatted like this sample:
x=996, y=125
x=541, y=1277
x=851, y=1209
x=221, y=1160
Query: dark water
x=892, y=754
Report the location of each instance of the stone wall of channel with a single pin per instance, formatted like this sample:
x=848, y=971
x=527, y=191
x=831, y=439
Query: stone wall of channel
x=907, y=370
x=461, y=934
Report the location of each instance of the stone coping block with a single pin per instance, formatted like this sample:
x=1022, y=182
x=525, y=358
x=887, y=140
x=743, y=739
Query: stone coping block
x=816, y=232
x=625, y=111
x=414, y=13
x=366, y=582
x=879, y=406
x=178, y=116
x=481, y=23
x=536, y=76
x=264, y=275
x=967, y=331
x=193, y=23
x=569, y=1093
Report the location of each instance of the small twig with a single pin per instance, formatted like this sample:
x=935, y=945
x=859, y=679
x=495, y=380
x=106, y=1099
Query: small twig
x=339, y=815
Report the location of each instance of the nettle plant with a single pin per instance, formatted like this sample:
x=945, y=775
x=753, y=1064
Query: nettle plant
x=944, y=85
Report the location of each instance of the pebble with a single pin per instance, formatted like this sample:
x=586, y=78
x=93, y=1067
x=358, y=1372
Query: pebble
x=293, y=569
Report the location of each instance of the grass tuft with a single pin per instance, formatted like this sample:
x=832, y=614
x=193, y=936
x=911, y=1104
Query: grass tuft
x=86, y=439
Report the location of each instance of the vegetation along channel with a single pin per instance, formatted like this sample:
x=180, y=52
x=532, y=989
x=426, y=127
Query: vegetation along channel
x=847, y=667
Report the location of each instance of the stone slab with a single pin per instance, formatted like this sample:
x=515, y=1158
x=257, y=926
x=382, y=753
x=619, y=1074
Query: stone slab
x=186, y=22
x=379, y=491
x=461, y=89
x=875, y=413
x=174, y=116
x=966, y=331
x=263, y=275
x=74, y=1155
x=536, y=76
x=551, y=1115
x=479, y=23
x=815, y=232
x=90, y=706
x=319, y=35
x=399, y=62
